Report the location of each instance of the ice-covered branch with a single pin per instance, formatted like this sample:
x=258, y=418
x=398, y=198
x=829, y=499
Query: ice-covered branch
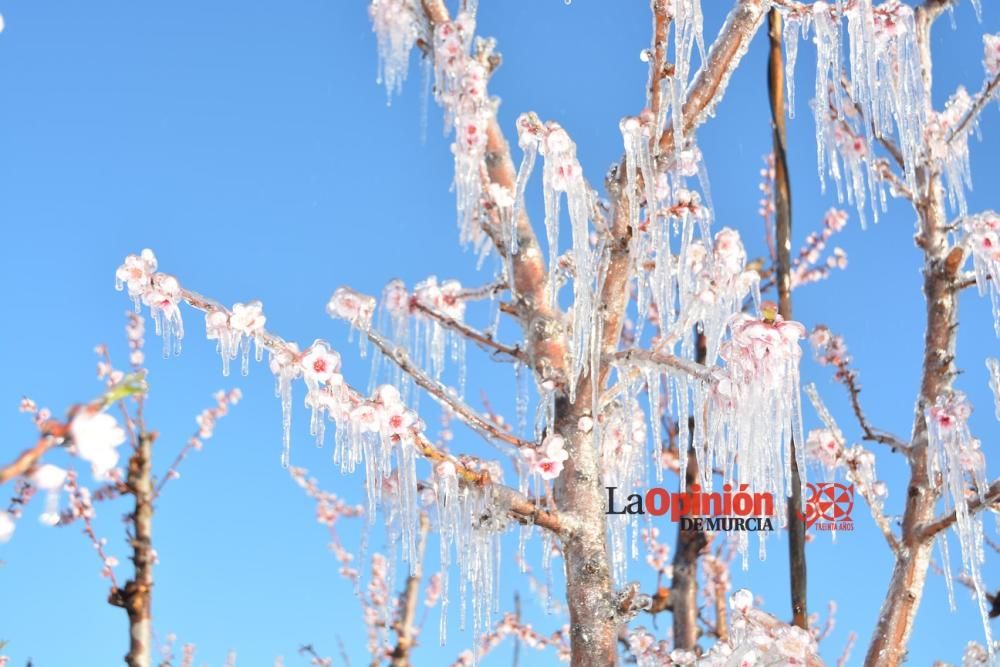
x=725, y=54
x=481, y=338
x=668, y=362
x=441, y=394
x=982, y=99
x=976, y=504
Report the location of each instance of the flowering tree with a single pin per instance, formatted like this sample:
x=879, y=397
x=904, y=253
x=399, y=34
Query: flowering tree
x=647, y=324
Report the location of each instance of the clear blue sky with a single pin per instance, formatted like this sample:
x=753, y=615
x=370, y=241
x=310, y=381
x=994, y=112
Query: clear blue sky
x=248, y=144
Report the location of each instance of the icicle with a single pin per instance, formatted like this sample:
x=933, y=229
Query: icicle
x=955, y=456
x=793, y=28
x=285, y=368
x=982, y=234
x=396, y=27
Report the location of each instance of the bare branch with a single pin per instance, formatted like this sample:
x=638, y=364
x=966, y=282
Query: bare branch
x=984, y=97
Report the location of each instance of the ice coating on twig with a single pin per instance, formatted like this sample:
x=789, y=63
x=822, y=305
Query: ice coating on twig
x=982, y=235
x=956, y=456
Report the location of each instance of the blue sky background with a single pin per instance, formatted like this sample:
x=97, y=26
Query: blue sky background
x=248, y=144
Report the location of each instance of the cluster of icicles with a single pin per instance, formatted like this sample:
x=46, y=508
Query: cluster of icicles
x=379, y=433
x=955, y=457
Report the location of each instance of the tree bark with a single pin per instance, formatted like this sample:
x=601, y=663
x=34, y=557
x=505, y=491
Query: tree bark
x=136, y=597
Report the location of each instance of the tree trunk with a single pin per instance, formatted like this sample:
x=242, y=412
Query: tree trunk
x=590, y=592
x=137, y=596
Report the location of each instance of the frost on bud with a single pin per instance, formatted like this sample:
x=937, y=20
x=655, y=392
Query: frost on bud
x=356, y=308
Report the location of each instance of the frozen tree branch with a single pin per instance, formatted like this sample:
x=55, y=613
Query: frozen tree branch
x=441, y=394
x=983, y=98
x=723, y=57
x=976, y=504
x=481, y=338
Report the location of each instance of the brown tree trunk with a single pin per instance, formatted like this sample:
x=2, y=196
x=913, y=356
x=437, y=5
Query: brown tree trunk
x=136, y=597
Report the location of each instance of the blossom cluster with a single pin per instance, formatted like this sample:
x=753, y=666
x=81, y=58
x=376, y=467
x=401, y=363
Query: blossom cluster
x=511, y=626
x=757, y=638
x=657, y=553
x=160, y=291
x=982, y=232
x=804, y=268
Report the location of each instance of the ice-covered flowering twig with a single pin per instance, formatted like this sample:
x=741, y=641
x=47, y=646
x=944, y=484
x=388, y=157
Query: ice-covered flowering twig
x=981, y=233
x=81, y=508
x=955, y=461
x=87, y=427
x=804, y=267
x=477, y=336
x=830, y=350
x=829, y=448
x=511, y=626
x=319, y=366
x=206, y=420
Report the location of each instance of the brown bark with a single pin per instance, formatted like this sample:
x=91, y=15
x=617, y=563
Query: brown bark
x=783, y=238
x=406, y=633
x=136, y=596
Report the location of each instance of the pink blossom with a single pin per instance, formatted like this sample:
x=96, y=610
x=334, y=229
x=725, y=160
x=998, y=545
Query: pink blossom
x=366, y=418
x=96, y=436
x=320, y=364
x=248, y=319
x=822, y=446
x=352, y=306
x=395, y=298
x=547, y=460
x=136, y=272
